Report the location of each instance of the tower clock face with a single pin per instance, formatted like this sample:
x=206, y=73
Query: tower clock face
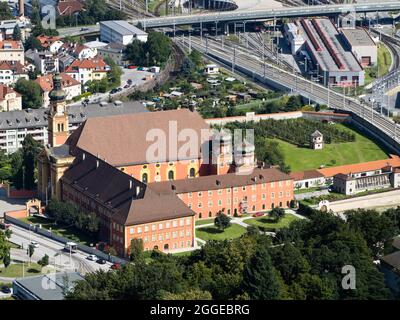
x=60, y=109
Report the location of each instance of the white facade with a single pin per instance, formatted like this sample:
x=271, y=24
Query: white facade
x=121, y=32
x=46, y=62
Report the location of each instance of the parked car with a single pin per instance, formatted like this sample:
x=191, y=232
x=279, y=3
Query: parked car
x=258, y=214
x=126, y=86
x=84, y=29
x=92, y=257
x=101, y=261
x=114, y=91
x=119, y=89
x=5, y=289
x=116, y=266
x=35, y=244
x=130, y=81
x=132, y=67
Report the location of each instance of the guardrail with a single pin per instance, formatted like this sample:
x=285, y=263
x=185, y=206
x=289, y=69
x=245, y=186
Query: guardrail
x=63, y=240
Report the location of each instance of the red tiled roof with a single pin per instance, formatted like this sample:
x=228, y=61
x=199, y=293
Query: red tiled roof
x=68, y=7
x=15, y=66
x=394, y=161
x=95, y=63
x=308, y=174
x=46, y=82
x=46, y=41
x=4, y=90
x=14, y=44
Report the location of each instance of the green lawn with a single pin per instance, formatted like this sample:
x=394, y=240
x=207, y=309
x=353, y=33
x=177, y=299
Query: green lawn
x=384, y=60
x=213, y=233
x=267, y=222
x=71, y=233
x=306, y=190
x=14, y=270
x=205, y=221
x=361, y=150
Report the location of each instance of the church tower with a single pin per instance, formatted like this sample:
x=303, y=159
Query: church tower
x=244, y=158
x=222, y=158
x=58, y=118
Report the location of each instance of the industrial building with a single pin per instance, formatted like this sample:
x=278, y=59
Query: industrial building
x=325, y=51
x=121, y=32
x=362, y=46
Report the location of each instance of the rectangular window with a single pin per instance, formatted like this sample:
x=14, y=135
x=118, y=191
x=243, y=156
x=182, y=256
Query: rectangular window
x=272, y=195
x=244, y=188
x=160, y=226
x=210, y=192
x=220, y=191
x=153, y=237
x=188, y=233
x=182, y=233
x=235, y=190
x=188, y=221
x=199, y=205
x=210, y=204
x=175, y=223
x=219, y=202
x=167, y=236
x=139, y=230
x=189, y=195
x=228, y=190
x=280, y=194
x=146, y=228
x=263, y=196
x=272, y=184
x=264, y=185
x=132, y=230
x=182, y=222
x=153, y=227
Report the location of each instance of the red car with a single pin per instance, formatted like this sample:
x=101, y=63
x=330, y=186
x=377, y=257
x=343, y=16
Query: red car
x=116, y=266
x=132, y=67
x=258, y=214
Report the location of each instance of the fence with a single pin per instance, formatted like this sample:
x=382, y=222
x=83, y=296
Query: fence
x=51, y=235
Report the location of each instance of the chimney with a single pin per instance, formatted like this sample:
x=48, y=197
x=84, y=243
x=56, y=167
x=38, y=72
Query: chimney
x=21, y=8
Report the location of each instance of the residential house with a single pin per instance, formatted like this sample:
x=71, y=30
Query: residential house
x=71, y=87
x=88, y=70
x=10, y=100
x=11, y=50
x=11, y=71
x=46, y=62
x=50, y=43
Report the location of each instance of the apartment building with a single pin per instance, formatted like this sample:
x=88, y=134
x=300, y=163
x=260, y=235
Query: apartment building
x=71, y=86
x=11, y=71
x=88, y=70
x=46, y=62
x=11, y=50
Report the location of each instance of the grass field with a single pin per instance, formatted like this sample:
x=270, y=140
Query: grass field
x=335, y=154
x=213, y=233
x=384, y=60
x=14, y=270
x=71, y=233
x=205, y=221
x=267, y=222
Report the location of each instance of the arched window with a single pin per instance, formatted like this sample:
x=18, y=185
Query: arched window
x=166, y=246
x=192, y=172
x=145, y=177
x=171, y=175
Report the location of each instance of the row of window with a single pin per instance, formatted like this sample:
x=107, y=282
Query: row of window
x=161, y=226
x=167, y=236
x=236, y=189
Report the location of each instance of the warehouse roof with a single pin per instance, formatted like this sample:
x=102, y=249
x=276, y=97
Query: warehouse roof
x=122, y=27
x=358, y=37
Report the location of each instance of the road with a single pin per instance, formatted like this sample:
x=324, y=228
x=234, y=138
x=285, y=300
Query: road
x=245, y=61
x=263, y=14
x=78, y=31
x=387, y=199
x=62, y=260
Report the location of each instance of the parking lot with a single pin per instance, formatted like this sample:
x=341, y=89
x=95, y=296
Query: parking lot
x=135, y=75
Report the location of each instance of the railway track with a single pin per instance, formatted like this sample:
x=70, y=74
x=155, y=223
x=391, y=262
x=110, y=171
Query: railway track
x=251, y=64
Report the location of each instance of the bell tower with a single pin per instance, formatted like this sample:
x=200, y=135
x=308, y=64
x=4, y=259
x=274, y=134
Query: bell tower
x=58, y=118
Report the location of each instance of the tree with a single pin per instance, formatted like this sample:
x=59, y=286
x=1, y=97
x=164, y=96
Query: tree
x=31, y=251
x=260, y=279
x=222, y=221
x=17, y=33
x=135, y=52
x=44, y=261
x=6, y=260
x=31, y=93
x=33, y=43
x=136, y=249
x=158, y=47
x=5, y=12
x=277, y=213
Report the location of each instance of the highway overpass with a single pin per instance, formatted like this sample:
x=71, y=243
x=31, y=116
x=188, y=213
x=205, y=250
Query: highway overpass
x=264, y=14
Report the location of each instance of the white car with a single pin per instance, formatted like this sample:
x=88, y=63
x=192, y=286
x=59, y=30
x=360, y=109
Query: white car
x=92, y=257
x=35, y=244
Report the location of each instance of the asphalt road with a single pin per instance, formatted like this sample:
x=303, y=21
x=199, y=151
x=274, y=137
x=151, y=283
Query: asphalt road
x=62, y=259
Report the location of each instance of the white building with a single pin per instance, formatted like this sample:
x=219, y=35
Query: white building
x=121, y=32
x=294, y=37
x=10, y=100
x=317, y=140
x=11, y=50
x=211, y=69
x=362, y=45
x=46, y=62
x=11, y=71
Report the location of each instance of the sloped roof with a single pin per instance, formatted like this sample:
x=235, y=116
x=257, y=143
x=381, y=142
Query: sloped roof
x=215, y=182
x=95, y=63
x=304, y=175
x=122, y=140
x=14, y=66
x=46, y=82
x=4, y=90
x=394, y=161
x=131, y=201
x=68, y=7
